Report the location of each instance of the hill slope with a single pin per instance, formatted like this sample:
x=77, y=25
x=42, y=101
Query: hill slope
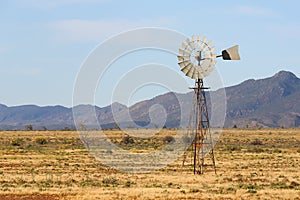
x=270, y=102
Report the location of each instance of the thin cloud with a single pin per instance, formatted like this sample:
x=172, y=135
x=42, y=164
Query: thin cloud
x=286, y=31
x=77, y=30
x=59, y=3
x=27, y=71
x=253, y=11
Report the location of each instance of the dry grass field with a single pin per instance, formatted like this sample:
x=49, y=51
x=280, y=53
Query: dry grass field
x=251, y=164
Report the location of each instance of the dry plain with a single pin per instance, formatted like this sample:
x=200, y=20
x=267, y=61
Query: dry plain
x=251, y=164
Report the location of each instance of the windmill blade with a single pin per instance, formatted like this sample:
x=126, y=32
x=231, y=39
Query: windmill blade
x=208, y=70
x=196, y=74
x=186, y=47
x=208, y=47
x=182, y=58
x=187, y=41
x=209, y=43
x=195, y=45
x=199, y=38
x=183, y=52
x=212, y=49
x=190, y=72
x=213, y=63
x=183, y=45
x=198, y=45
x=184, y=63
x=200, y=73
x=203, y=46
x=205, y=73
x=186, y=68
x=201, y=76
x=191, y=44
x=193, y=38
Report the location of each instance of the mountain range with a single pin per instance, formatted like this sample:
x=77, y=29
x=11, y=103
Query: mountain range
x=269, y=102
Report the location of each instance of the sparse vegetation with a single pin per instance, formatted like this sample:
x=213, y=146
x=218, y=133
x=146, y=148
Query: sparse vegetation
x=256, y=142
x=110, y=181
x=16, y=141
x=167, y=139
x=127, y=140
x=55, y=165
x=29, y=127
x=41, y=140
x=194, y=190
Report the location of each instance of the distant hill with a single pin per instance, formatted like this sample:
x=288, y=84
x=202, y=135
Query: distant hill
x=269, y=102
x=17, y=117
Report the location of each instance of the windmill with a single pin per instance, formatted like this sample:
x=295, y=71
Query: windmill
x=197, y=60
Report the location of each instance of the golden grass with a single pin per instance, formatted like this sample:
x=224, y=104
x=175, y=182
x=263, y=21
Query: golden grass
x=251, y=164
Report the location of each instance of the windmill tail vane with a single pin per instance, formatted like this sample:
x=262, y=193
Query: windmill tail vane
x=231, y=53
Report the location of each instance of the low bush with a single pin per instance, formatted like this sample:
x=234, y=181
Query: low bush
x=194, y=190
x=127, y=140
x=167, y=139
x=41, y=141
x=110, y=181
x=17, y=142
x=256, y=142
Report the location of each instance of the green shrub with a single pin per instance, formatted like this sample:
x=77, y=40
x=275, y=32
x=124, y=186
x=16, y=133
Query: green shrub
x=167, y=139
x=17, y=142
x=127, y=140
x=231, y=189
x=232, y=148
x=41, y=141
x=182, y=191
x=277, y=150
x=256, y=142
x=255, y=150
x=170, y=184
x=194, y=190
x=128, y=184
x=252, y=191
x=110, y=181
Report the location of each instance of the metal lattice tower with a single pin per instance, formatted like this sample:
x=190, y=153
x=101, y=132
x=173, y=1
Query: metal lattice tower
x=202, y=140
x=197, y=60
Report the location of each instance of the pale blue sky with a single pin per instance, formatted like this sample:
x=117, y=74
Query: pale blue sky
x=43, y=43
